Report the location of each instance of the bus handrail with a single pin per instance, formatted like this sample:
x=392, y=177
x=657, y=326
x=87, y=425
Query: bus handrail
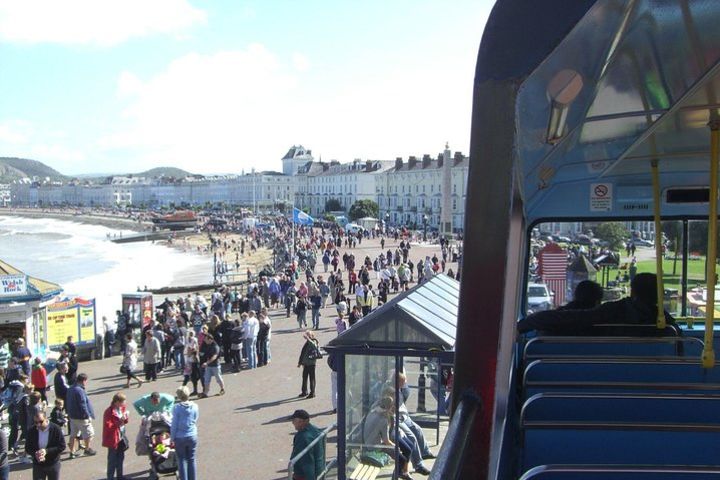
x=450, y=459
x=305, y=451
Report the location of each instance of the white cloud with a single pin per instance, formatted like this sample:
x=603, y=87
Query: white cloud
x=96, y=22
x=15, y=132
x=236, y=110
x=206, y=108
x=301, y=62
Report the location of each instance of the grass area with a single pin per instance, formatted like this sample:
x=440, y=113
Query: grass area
x=696, y=271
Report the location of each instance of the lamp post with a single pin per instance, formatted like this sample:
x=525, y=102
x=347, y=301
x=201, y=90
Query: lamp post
x=425, y=221
x=254, y=199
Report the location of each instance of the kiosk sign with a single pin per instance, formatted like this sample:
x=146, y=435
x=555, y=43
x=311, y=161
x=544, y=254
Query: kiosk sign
x=13, y=285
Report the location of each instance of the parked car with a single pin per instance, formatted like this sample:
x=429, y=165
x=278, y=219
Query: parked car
x=539, y=297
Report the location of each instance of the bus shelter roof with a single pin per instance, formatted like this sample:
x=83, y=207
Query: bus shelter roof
x=423, y=318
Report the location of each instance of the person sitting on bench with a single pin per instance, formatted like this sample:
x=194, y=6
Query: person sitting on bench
x=638, y=309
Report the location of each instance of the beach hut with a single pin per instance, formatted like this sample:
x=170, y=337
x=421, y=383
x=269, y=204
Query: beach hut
x=579, y=270
x=413, y=333
x=23, y=307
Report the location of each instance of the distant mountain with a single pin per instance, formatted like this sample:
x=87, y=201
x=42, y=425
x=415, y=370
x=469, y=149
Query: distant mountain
x=16, y=168
x=164, y=172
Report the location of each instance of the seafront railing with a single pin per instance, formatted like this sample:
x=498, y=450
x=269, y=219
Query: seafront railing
x=320, y=438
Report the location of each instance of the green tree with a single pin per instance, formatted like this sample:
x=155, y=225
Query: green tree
x=329, y=218
x=333, y=205
x=363, y=208
x=614, y=233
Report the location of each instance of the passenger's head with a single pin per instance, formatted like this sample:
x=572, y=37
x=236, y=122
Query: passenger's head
x=155, y=398
x=643, y=288
x=588, y=293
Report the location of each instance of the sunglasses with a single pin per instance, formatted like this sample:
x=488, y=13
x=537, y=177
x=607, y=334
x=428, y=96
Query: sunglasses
x=41, y=422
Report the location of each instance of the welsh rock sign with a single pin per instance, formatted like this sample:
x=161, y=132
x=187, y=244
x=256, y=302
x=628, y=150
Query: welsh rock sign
x=13, y=285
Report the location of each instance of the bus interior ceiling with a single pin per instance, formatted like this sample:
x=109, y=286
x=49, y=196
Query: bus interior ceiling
x=597, y=111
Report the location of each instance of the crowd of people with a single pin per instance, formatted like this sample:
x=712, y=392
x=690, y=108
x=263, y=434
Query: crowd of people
x=194, y=336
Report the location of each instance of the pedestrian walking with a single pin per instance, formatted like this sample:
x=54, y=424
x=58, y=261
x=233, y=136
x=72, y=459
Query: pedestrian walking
x=210, y=357
x=45, y=442
x=191, y=371
x=309, y=355
x=309, y=466
x=114, y=438
x=39, y=378
x=4, y=451
x=81, y=415
x=183, y=432
x=129, y=363
x=151, y=356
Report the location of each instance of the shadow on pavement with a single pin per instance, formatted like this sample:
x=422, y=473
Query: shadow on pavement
x=258, y=406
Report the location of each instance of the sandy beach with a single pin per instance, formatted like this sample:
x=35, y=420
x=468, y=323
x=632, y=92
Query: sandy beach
x=191, y=243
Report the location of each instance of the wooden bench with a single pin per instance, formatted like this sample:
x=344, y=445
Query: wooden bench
x=365, y=472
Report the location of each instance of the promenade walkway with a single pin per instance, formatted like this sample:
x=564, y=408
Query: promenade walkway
x=245, y=434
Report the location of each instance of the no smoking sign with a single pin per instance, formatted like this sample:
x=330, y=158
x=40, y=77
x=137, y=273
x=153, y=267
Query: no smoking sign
x=601, y=197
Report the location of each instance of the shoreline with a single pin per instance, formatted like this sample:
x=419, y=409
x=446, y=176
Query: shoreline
x=194, y=244
x=110, y=221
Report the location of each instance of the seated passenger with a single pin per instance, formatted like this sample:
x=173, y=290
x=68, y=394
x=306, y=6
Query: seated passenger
x=638, y=309
x=588, y=294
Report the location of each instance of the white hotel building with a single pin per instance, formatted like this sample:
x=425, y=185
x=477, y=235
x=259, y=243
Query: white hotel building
x=406, y=191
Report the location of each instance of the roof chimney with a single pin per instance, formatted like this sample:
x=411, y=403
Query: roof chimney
x=457, y=158
x=398, y=163
x=412, y=161
x=426, y=161
x=440, y=160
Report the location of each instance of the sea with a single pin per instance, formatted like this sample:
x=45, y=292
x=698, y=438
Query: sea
x=84, y=261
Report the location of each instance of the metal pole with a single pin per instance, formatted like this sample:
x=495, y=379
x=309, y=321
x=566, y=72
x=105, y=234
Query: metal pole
x=685, y=257
x=450, y=459
x=214, y=267
x=421, y=387
x=660, y=320
x=254, y=198
x=708, y=354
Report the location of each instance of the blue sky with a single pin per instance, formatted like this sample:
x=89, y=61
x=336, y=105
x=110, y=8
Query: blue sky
x=96, y=86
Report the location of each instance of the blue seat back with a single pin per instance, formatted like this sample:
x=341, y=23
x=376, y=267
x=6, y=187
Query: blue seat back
x=550, y=347
x=630, y=408
x=602, y=444
x=604, y=472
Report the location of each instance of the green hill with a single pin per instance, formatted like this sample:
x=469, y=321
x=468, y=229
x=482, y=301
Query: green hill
x=17, y=168
x=164, y=172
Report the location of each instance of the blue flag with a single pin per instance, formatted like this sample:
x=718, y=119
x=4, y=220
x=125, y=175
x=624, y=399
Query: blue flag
x=301, y=217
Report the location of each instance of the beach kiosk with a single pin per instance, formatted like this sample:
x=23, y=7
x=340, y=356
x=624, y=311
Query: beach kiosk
x=138, y=308
x=23, y=307
x=414, y=333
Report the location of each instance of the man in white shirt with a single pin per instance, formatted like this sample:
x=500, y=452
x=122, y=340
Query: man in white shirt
x=251, y=329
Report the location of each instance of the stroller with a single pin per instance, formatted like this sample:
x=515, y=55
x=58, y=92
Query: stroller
x=160, y=450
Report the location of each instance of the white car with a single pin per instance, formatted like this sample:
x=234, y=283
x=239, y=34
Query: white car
x=539, y=297
x=353, y=228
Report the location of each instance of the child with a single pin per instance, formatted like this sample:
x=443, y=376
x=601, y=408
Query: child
x=58, y=415
x=38, y=377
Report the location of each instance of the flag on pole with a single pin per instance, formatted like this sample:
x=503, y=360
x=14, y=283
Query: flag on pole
x=301, y=217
